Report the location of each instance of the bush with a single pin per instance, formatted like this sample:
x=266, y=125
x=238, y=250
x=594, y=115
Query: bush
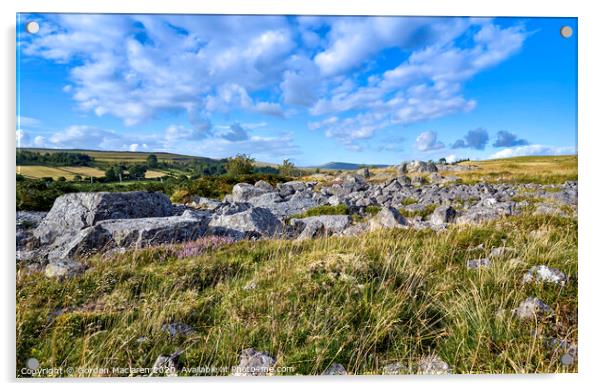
x=240, y=165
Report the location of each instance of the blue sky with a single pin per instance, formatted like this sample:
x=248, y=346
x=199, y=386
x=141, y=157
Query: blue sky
x=312, y=89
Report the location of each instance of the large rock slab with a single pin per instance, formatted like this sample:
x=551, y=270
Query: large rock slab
x=388, y=218
x=243, y=192
x=131, y=233
x=311, y=227
x=75, y=211
x=242, y=220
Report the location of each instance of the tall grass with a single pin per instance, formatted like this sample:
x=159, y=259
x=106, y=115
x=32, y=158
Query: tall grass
x=384, y=297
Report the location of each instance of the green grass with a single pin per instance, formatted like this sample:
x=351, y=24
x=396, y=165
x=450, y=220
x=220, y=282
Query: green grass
x=428, y=209
x=322, y=210
x=383, y=297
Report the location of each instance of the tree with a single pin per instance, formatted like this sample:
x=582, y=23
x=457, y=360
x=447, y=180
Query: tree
x=151, y=161
x=241, y=164
x=114, y=173
x=137, y=171
x=443, y=161
x=287, y=168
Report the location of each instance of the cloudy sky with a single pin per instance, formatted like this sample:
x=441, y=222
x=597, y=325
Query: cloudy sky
x=313, y=89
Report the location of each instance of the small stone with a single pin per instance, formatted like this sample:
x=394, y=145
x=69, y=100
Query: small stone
x=167, y=365
x=500, y=252
x=442, y=215
x=433, y=365
x=254, y=363
x=567, y=359
x=394, y=369
x=478, y=263
x=531, y=308
x=545, y=274
x=63, y=268
x=177, y=328
x=335, y=369
x=250, y=286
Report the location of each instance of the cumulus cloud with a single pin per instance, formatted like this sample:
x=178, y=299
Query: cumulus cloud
x=139, y=67
x=427, y=141
x=475, y=139
x=534, y=149
x=507, y=139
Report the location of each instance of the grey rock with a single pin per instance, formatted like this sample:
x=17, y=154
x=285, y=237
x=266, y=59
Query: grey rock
x=531, y=308
x=204, y=203
x=314, y=226
x=240, y=221
x=177, y=328
x=443, y=215
x=263, y=185
x=75, y=211
x=418, y=181
x=365, y=172
x=478, y=263
x=254, y=363
x=63, y=268
x=501, y=252
x=549, y=210
x=167, y=365
x=546, y=274
x=132, y=233
x=388, y=218
x=394, y=369
x=335, y=369
x=417, y=166
x=242, y=192
x=433, y=365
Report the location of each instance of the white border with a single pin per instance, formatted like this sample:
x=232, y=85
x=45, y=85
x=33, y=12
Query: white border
x=590, y=271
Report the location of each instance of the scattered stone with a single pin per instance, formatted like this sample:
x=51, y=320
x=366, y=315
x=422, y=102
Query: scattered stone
x=63, y=268
x=204, y=203
x=75, y=211
x=250, y=286
x=478, y=263
x=500, y=252
x=568, y=350
x=388, y=217
x=417, y=166
x=241, y=220
x=335, y=369
x=254, y=363
x=315, y=226
x=531, y=308
x=543, y=273
x=433, y=365
x=549, y=210
x=443, y=215
x=394, y=369
x=243, y=192
x=177, y=328
x=167, y=365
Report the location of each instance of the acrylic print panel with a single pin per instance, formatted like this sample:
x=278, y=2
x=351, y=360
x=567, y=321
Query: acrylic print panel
x=282, y=195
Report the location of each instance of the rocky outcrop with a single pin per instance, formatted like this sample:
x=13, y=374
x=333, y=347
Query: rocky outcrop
x=244, y=221
x=388, y=218
x=75, y=211
x=312, y=227
x=433, y=365
x=417, y=166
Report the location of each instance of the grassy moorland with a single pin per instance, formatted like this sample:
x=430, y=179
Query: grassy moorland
x=380, y=298
x=524, y=169
x=384, y=297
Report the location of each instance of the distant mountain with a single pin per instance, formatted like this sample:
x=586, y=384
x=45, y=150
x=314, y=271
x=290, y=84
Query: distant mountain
x=347, y=166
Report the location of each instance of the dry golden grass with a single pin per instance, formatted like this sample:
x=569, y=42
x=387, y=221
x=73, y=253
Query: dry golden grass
x=37, y=172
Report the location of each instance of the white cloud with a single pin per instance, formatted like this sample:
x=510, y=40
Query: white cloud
x=535, y=149
x=427, y=141
x=139, y=67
